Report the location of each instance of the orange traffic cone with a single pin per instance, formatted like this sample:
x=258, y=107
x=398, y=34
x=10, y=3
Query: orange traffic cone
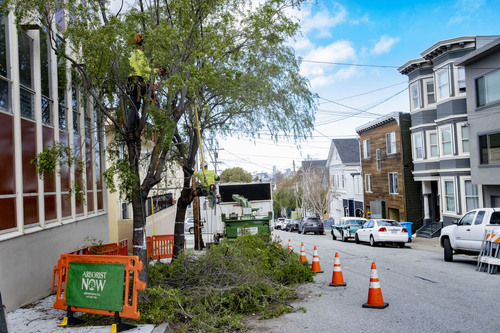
x=315, y=264
x=289, y=246
x=303, y=257
x=375, y=299
x=279, y=241
x=337, y=278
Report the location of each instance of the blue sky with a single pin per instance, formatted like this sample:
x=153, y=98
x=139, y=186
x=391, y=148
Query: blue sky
x=380, y=36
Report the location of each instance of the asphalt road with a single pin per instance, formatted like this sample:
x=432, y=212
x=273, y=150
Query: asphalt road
x=425, y=294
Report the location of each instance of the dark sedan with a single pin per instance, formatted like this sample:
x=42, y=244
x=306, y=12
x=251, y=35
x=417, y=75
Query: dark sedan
x=293, y=225
x=311, y=224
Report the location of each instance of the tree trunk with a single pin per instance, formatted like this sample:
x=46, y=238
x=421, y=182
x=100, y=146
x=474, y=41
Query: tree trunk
x=139, y=235
x=180, y=216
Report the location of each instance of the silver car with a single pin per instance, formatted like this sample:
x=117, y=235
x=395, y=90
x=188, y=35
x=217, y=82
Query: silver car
x=189, y=224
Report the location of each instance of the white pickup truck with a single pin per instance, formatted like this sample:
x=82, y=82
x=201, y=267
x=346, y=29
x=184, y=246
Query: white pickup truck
x=466, y=235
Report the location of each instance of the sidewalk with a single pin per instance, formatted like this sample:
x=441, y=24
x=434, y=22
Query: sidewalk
x=425, y=244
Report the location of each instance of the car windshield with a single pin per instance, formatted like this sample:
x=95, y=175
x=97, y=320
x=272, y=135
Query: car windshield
x=358, y=222
x=313, y=219
x=388, y=223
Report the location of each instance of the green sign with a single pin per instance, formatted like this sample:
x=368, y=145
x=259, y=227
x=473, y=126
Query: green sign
x=95, y=285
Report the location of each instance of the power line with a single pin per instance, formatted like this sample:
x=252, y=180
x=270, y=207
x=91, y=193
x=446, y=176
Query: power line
x=347, y=64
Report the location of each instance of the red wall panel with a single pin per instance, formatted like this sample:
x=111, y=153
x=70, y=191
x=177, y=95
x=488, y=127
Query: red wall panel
x=8, y=209
x=7, y=174
x=49, y=182
x=65, y=205
x=30, y=210
x=28, y=139
x=50, y=207
x=63, y=138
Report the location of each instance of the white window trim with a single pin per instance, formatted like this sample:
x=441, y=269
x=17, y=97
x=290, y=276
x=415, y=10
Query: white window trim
x=437, y=86
x=378, y=160
x=414, y=145
x=426, y=92
x=459, y=139
x=387, y=143
x=464, y=199
x=428, y=145
x=368, y=181
x=366, y=148
x=440, y=141
x=443, y=195
x=457, y=85
x=412, y=97
x=389, y=175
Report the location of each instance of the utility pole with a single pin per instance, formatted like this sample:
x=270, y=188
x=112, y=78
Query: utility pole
x=216, y=156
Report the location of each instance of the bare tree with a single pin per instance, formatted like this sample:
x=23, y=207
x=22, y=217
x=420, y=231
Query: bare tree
x=317, y=191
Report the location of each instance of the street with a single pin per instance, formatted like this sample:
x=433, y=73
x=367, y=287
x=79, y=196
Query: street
x=425, y=294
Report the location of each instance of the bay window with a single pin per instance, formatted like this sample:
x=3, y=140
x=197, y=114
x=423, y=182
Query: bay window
x=488, y=88
x=443, y=84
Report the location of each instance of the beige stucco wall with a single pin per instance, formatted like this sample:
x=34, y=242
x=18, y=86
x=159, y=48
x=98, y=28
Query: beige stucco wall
x=27, y=261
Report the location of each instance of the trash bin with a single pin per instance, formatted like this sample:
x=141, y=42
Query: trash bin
x=407, y=225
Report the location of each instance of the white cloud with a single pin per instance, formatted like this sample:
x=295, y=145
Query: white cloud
x=322, y=21
x=338, y=51
x=364, y=19
x=384, y=45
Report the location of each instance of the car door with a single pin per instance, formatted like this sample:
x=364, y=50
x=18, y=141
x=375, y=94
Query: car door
x=364, y=233
x=338, y=228
x=463, y=230
x=477, y=233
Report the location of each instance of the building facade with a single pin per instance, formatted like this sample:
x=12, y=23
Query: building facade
x=440, y=131
x=344, y=170
x=482, y=76
x=390, y=190
x=39, y=106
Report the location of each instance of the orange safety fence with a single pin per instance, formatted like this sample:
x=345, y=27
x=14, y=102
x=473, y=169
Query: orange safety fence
x=132, y=267
x=120, y=248
x=160, y=246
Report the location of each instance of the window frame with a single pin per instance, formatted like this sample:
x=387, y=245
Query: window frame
x=379, y=164
x=366, y=148
x=440, y=85
x=479, y=196
x=393, y=180
x=461, y=83
x=368, y=183
x=446, y=196
x=427, y=93
x=483, y=77
x=415, y=148
x=429, y=144
x=461, y=139
x=441, y=130
x=488, y=149
x=390, y=143
x=415, y=96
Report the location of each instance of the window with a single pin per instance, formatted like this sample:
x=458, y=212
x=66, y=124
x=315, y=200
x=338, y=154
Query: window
x=343, y=181
x=124, y=210
x=393, y=182
x=417, y=146
x=391, y=143
x=25, y=76
x=488, y=88
x=4, y=83
x=415, y=96
x=446, y=142
x=366, y=148
x=76, y=110
x=378, y=160
x=429, y=91
x=471, y=195
x=449, y=195
x=463, y=132
x=433, y=150
x=489, y=146
x=45, y=76
x=368, y=183
x=461, y=79
x=61, y=86
x=443, y=84
x=479, y=217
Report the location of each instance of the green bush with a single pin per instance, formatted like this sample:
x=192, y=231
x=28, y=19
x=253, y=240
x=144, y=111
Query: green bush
x=215, y=291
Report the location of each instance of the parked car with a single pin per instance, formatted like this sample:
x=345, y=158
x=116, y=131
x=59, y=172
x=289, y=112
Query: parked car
x=467, y=235
x=292, y=225
x=329, y=222
x=189, y=224
x=311, y=224
x=347, y=227
x=278, y=224
x=378, y=231
x=285, y=223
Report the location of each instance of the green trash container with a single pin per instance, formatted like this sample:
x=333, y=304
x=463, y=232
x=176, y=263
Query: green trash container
x=236, y=226
x=407, y=225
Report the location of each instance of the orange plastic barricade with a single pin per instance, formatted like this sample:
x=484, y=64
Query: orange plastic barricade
x=123, y=248
x=83, y=250
x=160, y=246
x=105, y=249
x=132, y=265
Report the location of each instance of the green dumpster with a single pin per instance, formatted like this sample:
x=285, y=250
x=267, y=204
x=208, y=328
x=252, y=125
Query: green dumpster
x=236, y=226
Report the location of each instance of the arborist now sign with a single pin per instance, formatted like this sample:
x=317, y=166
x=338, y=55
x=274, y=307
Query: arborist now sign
x=95, y=285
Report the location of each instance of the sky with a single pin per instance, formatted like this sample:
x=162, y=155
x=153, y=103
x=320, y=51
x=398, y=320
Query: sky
x=350, y=53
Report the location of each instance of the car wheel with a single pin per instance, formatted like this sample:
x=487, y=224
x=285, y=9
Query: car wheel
x=333, y=235
x=356, y=238
x=372, y=242
x=191, y=230
x=448, y=251
x=401, y=245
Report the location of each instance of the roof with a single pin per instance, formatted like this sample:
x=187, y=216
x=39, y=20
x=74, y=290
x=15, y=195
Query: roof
x=484, y=51
x=380, y=121
x=348, y=150
x=313, y=164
